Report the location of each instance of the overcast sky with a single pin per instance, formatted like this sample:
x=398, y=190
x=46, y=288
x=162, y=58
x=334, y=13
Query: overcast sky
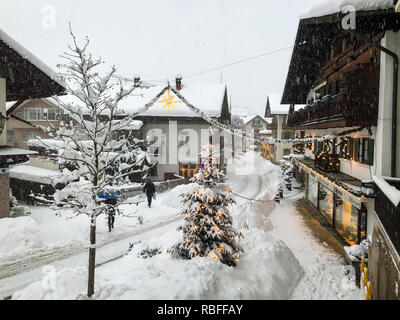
x=160, y=38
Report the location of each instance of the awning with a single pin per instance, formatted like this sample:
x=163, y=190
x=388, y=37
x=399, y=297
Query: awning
x=344, y=194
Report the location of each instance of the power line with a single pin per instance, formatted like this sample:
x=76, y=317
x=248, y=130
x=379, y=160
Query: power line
x=237, y=62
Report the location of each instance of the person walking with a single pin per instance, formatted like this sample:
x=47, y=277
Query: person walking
x=150, y=190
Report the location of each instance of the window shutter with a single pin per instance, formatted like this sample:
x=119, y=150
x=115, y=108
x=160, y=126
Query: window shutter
x=356, y=150
x=350, y=149
x=371, y=152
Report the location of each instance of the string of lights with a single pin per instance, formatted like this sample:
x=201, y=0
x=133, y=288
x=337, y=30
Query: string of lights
x=268, y=140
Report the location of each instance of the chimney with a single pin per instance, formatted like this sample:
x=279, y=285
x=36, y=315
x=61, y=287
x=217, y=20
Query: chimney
x=136, y=80
x=178, y=82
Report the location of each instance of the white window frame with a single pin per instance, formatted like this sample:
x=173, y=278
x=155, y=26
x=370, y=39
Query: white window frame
x=38, y=112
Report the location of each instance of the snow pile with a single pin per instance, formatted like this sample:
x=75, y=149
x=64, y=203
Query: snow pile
x=268, y=270
x=334, y=6
x=66, y=284
x=391, y=192
x=357, y=251
x=17, y=234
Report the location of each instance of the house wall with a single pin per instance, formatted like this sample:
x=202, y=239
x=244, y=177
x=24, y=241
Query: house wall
x=19, y=128
x=169, y=149
x=279, y=127
x=384, y=128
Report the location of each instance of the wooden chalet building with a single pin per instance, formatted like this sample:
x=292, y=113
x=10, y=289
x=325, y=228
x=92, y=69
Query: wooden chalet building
x=176, y=133
x=348, y=79
x=22, y=77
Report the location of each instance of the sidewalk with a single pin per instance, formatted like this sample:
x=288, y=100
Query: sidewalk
x=317, y=247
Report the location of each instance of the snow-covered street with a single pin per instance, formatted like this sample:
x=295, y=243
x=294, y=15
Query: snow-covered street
x=282, y=259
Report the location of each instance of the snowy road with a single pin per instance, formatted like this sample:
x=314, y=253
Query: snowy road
x=320, y=269
x=106, y=253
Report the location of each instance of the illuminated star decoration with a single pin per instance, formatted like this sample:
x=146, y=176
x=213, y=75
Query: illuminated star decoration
x=169, y=101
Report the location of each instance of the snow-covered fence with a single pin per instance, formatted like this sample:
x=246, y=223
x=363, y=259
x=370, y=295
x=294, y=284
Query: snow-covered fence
x=160, y=187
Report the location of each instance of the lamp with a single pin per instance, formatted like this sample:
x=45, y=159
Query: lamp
x=2, y=122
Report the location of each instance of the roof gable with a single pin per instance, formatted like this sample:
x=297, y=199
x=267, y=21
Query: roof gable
x=253, y=117
x=210, y=99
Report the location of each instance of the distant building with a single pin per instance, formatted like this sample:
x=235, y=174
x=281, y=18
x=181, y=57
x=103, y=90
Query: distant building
x=278, y=113
x=24, y=116
x=266, y=147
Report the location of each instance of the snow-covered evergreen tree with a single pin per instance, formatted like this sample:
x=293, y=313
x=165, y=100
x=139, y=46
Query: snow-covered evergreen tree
x=207, y=229
x=93, y=155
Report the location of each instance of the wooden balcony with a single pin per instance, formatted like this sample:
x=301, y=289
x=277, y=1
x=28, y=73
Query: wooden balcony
x=389, y=214
x=357, y=105
x=329, y=163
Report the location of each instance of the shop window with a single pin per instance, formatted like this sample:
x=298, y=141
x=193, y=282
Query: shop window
x=188, y=170
x=312, y=190
x=325, y=202
x=346, y=220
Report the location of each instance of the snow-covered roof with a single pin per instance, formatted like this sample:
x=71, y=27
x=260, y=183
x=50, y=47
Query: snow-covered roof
x=11, y=151
x=275, y=104
x=329, y=7
x=52, y=144
x=132, y=125
x=250, y=118
x=266, y=131
x=34, y=174
x=24, y=53
x=10, y=104
x=208, y=98
x=276, y=108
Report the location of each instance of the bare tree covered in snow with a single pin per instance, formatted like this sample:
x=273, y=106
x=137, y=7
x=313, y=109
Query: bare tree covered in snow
x=94, y=156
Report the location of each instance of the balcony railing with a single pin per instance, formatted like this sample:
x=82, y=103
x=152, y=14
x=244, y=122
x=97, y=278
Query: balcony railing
x=329, y=163
x=389, y=214
x=356, y=105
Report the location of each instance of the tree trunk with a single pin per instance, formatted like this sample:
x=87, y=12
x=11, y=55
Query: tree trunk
x=92, y=256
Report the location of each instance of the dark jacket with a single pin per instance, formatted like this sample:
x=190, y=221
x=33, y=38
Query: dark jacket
x=149, y=188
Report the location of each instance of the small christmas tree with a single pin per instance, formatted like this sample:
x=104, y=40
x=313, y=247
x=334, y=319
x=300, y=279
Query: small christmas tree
x=207, y=230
